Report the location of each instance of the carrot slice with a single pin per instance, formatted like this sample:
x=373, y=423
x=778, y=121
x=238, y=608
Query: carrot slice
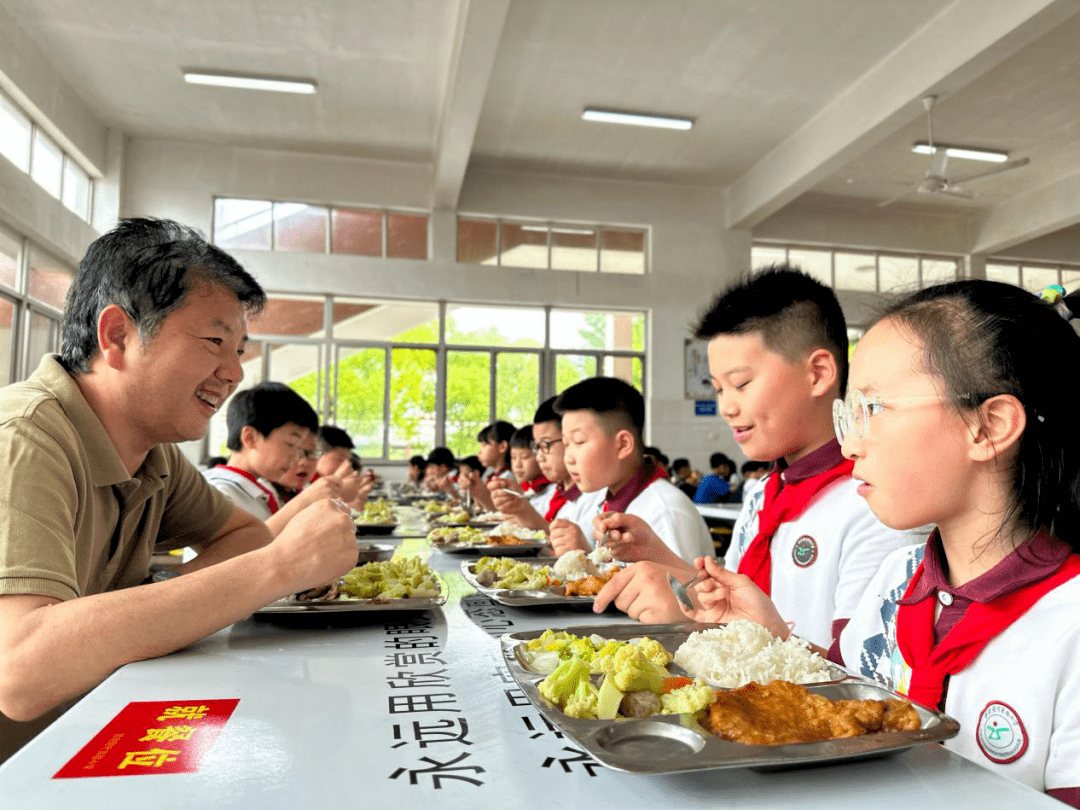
x=676, y=682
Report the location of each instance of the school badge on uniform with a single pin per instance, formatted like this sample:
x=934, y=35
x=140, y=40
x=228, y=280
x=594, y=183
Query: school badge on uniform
x=805, y=551
x=1000, y=733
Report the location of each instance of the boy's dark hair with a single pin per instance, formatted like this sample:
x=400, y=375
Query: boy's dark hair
x=331, y=438
x=213, y=461
x=657, y=454
x=752, y=466
x=472, y=461
x=794, y=312
x=616, y=403
x=985, y=338
x=679, y=463
x=442, y=456
x=716, y=459
x=546, y=412
x=522, y=438
x=148, y=267
x=265, y=407
x=418, y=461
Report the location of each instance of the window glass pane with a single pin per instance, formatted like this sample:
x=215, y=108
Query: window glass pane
x=76, y=188
x=597, y=330
x=1036, y=278
x=468, y=397
x=242, y=224
x=46, y=163
x=818, y=263
x=898, y=273
x=523, y=245
x=1070, y=280
x=476, y=241
x=938, y=271
x=299, y=366
x=494, y=326
x=622, y=251
x=296, y=315
x=356, y=232
x=517, y=386
x=7, y=334
x=412, y=402
x=573, y=248
x=9, y=258
x=406, y=236
x=300, y=227
x=44, y=338
x=571, y=369
x=1008, y=273
x=856, y=271
x=15, y=131
x=398, y=321
x=49, y=279
x=625, y=368
x=763, y=256
x=361, y=387
x=218, y=433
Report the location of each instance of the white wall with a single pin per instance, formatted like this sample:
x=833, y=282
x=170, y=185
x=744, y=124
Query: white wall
x=692, y=256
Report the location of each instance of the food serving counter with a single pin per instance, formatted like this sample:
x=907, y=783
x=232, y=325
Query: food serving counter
x=395, y=709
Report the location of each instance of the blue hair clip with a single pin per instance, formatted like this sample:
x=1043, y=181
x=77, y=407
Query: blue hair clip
x=1052, y=293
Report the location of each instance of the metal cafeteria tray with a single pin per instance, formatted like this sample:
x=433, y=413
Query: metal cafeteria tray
x=513, y=550
x=677, y=743
x=290, y=604
x=523, y=597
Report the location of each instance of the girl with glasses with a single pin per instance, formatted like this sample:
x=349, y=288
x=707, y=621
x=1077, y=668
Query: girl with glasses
x=957, y=419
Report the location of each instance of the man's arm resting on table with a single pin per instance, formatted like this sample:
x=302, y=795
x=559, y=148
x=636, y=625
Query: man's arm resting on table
x=242, y=532
x=51, y=650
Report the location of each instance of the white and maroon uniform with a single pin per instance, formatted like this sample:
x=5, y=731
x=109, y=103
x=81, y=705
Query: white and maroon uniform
x=667, y=510
x=250, y=492
x=1018, y=702
x=823, y=558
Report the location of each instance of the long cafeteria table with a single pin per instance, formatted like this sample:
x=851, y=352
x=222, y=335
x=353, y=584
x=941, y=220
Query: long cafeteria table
x=393, y=710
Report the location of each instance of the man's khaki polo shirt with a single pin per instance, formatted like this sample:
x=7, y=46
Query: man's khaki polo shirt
x=72, y=521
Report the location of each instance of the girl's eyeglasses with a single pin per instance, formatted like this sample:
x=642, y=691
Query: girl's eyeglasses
x=851, y=417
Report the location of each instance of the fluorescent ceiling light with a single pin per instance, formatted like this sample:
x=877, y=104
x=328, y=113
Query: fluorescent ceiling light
x=556, y=229
x=923, y=148
x=249, y=82
x=636, y=119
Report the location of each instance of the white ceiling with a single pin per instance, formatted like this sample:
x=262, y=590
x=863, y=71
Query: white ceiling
x=790, y=97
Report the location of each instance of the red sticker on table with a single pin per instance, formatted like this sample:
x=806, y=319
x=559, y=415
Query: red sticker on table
x=160, y=736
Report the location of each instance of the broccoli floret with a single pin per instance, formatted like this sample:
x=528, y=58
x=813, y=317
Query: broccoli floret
x=562, y=684
x=688, y=699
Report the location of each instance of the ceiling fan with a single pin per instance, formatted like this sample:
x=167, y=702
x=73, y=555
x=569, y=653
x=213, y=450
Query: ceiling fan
x=936, y=181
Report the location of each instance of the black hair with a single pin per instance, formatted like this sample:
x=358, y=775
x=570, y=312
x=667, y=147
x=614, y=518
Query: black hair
x=418, y=461
x=442, y=456
x=794, y=312
x=716, y=459
x=496, y=433
x=522, y=438
x=547, y=413
x=616, y=403
x=332, y=438
x=657, y=454
x=752, y=466
x=265, y=407
x=679, y=463
x=472, y=461
x=213, y=461
x=148, y=267
x=985, y=338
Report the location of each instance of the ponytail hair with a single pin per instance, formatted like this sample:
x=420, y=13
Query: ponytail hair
x=985, y=338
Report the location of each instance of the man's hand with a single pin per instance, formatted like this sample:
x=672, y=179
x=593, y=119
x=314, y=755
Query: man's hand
x=642, y=592
x=631, y=539
x=567, y=536
x=318, y=545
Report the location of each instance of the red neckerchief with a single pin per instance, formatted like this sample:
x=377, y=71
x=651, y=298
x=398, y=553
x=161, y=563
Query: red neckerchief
x=982, y=622
x=560, y=497
x=793, y=500
x=536, y=484
x=272, y=503
x=641, y=481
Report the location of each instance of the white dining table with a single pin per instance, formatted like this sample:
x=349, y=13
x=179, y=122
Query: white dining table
x=418, y=710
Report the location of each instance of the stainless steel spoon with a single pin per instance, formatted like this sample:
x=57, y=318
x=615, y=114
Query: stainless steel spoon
x=680, y=588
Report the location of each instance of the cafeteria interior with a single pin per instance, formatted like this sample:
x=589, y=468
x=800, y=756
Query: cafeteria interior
x=450, y=232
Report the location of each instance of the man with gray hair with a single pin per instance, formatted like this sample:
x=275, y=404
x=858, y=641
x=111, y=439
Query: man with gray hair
x=154, y=329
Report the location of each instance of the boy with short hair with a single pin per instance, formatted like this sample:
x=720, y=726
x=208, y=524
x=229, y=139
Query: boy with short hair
x=715, y=487
x=534, y=484
x=778, y=358
x=267, y=425
x=440, y=475
x=602, y=422
x=334, y=447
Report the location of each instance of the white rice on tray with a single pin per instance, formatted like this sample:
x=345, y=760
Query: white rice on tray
x=743, y=651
